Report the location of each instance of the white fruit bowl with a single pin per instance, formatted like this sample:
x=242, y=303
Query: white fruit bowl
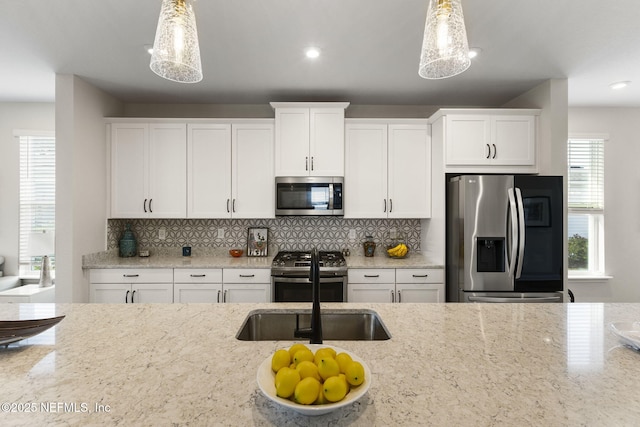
x=266, y=381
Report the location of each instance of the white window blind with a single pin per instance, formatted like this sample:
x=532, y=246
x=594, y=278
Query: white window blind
x=586, y=174
x=37, y=192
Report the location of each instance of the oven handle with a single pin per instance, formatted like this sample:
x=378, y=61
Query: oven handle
x=306, y=279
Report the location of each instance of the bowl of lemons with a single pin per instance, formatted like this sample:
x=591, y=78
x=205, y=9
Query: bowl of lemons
x=313, y=379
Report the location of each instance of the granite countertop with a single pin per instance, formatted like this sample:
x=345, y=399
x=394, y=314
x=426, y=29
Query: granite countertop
x=446, y=364
x=216, y=258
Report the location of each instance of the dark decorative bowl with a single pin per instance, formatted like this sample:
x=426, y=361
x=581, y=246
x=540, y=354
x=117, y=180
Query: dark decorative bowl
x=236, y=252
x=16, y=330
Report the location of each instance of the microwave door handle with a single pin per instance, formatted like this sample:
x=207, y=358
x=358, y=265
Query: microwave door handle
x=521, y=233
x=513, y=241
x=330, y=207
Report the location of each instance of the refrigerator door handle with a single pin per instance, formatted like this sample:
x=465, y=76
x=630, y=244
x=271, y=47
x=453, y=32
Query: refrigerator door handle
x=513, y=242
x=521, y=233
x=514, y=299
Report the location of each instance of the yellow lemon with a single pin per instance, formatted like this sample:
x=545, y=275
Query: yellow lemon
x=328, y=367
x=323, y=352
x=296, y=347
x=355, y=373
x=286, y=381
x=343, y=360
x=280, y=359
x=307, y=390
x=343, y=377
x=302, y=355
x=321, y=400
x=335, y=389
x=308, y=369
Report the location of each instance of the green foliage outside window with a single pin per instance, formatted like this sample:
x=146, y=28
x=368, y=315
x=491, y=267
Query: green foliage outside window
x=578, y=252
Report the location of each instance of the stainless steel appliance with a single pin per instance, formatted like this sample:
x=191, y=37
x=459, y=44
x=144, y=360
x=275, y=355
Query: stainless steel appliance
x=504, y=238
x=290, y=277
x=310, y=195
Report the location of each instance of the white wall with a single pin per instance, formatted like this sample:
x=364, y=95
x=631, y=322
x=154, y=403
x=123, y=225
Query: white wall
x=81, y=181
x=15, y=116
x=622, y=198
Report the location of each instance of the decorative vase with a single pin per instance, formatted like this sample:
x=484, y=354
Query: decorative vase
x=128, y=244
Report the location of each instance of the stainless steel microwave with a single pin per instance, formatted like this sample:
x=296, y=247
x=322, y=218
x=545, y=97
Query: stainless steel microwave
x=312, y=195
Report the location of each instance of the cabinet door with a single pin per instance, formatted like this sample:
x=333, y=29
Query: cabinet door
x=514, y=138
x=419, y=292
x=110, y=293
x=246, y=292
x=409, y=169
x=129, y=169
x=167, y=170
x=253, y=194
x=144, y=293
x=326, y=144
x=197, y=292
x=365, y=193
x=209, y=171
x=292, y=142
x=468, y=140
x=370, y=292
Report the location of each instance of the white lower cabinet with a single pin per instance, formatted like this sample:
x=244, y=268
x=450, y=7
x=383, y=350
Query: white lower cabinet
x=131, y=286
x=395, y=285
x=246, y=285
x=193, y=285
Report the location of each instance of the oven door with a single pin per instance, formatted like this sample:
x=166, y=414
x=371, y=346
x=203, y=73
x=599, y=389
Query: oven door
x=298, y=289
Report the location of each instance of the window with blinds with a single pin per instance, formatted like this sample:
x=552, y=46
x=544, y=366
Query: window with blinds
x=37, y=193
x=586, y=206
x=586, y=174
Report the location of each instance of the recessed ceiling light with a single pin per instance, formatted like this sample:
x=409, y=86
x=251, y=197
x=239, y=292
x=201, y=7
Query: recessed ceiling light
x=474, y=51
x=619, y=85
x=312, y=52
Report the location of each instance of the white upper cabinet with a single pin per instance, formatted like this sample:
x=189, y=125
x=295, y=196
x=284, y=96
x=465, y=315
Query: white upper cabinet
x=231, y=170
x=491, y=140
x=387, y=169
x=309, y=139
x=148, y=170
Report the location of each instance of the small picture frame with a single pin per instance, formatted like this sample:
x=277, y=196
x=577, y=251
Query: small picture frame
x=257, y=241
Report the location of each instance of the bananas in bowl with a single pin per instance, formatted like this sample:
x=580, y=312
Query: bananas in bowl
x=400, y=250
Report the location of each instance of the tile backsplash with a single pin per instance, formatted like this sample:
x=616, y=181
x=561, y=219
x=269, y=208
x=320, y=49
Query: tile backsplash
x=285, y=233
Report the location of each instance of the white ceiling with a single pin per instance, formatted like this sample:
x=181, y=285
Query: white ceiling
x=252, y=51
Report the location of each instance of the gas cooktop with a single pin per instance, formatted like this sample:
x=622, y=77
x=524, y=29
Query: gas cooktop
x=297, y=262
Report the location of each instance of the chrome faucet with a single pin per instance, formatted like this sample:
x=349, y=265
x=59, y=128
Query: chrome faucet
x=314, y=333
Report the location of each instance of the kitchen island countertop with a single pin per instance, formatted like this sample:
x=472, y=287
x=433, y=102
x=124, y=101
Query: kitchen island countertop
x=446, y=364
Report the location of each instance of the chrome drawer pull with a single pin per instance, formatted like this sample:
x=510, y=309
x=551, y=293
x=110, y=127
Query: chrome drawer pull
x=247, y=275
x=130, y=275
x=371, y=275
x=420, y=275
x=198, y=275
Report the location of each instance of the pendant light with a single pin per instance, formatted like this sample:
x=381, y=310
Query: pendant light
x=176, y=52
x=445, y=50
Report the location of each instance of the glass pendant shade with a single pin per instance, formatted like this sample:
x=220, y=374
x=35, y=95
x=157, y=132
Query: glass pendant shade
x=176, y=51
x=445, y=50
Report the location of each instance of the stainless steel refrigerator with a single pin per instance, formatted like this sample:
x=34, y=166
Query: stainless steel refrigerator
x=504, y=238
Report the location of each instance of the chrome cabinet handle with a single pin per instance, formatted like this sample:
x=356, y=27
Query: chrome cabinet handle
x=233, y=205
x=145, y=205
x=385, y=205
x=311, y=162
x=306, y=163
x=224, y=296
x=150, y=210
x=132, y=295
x=130, y=275
x=228, y=211
x=197, y=275
x=247, y=275
x=390, y=205
x=399, y=297
x=218, y=296
x=371, y=275
x=126, y=297
x=495, y=151
x=393, y=296
x=488, y=151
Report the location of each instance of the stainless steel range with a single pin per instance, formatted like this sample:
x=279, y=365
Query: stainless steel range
x=290, y=277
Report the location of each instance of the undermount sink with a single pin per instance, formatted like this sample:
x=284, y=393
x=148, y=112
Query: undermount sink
x=338, y=325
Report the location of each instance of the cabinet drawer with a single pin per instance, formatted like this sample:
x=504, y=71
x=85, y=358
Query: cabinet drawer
x=132, y=275
x=246, y=275
x=419, y=275
x=369, y=275
x=197, y=275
